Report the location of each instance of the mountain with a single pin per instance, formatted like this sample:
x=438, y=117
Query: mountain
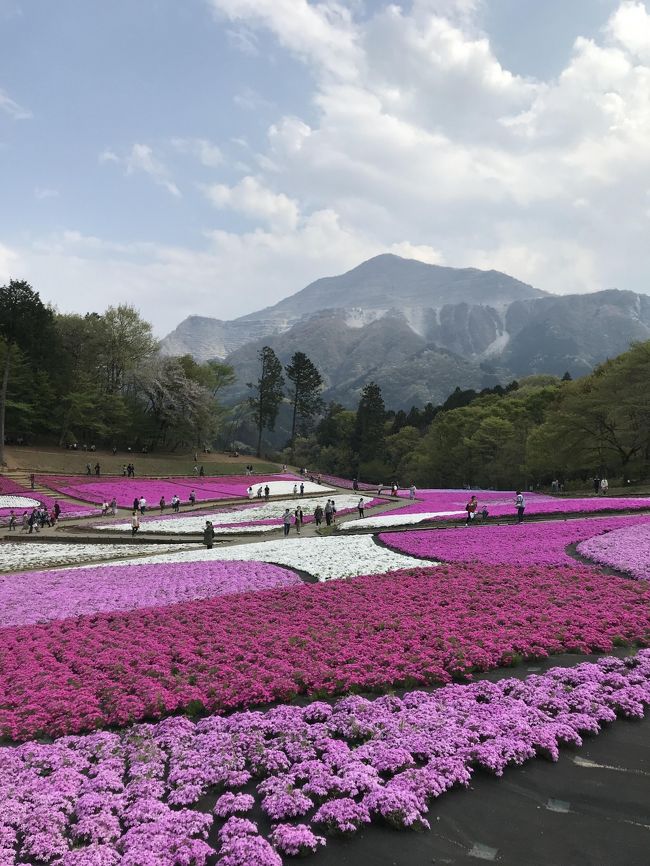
x=420, y=330
x=375, y=288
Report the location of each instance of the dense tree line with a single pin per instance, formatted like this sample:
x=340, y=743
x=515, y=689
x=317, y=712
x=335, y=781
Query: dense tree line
x=99, y=379
x=527, y=433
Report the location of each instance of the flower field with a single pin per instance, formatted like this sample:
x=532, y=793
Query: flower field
x=13, y=496
x=255, y=518
x=323, y=558
x=413, y=627
x=170, y=704
x=517, y=544
x=39, y=596
x=626, y=549
x=98, y=490
x=23, y=555
x=112, y=798
x=450, y=504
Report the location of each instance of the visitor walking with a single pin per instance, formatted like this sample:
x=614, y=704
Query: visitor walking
x=295, y=489
x=267, y=493
x=89, y=470
x=333, y=512
x=142, y=502
x=113, y=507
x=192, y=498
x=176, y=504
x=57, y=509
x=520, y=505
x=604, y=486
x=596, y=481
x=208, y=534
x=328, y=512
x=286, y=521
x=135, y=523
x=136, y=503
x=162, y=504
x=12, y=521
x=97, y=469
x=298, y=519
x=25, y=522
x=32, y=480
x=360, y=507
x=318, y=514
x=412, y=490
x=201, y=472
x=259, y=492
x=302, y=488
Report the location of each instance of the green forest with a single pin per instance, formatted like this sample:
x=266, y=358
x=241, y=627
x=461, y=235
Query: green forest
x=100, y=379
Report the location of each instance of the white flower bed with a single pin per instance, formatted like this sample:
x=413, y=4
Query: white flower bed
x=18, y=502
x=222, y=519
x=27, y=556
x=325, y=558
x=285, y=488
x=383, y=521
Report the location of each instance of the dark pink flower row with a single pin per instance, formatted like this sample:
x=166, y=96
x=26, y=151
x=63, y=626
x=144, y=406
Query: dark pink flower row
x=416, y=626
x=516, y=544
x=137, y=798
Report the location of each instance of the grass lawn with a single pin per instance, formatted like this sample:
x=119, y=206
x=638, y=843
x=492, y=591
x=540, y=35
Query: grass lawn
x=59, y=460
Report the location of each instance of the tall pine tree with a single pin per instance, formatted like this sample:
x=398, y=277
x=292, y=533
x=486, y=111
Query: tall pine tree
x=306, y=401
x=267, y=393
x=369, y=434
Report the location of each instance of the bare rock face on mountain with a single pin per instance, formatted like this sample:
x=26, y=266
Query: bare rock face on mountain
x=420, y=330
x=381, y=286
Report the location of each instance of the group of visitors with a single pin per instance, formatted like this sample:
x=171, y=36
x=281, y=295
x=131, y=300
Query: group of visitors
x=199, y=470
x=35, y=520
x=601, y=485
x=109, y=507
x=474, y=510
x=97, y=469
x=261, y=492
x=128, y=470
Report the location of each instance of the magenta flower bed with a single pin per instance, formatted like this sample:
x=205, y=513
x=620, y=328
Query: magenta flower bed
x=39, y=596
x=516, y=544
x=131, y=797
x=501, y=503
x=8, y=487
x=416, y=626
x=626, y=549
x=103, y=489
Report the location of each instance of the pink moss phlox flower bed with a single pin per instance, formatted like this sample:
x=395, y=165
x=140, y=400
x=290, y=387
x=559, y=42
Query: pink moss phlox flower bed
x=626, y=549
x=69, y=510
x=132, y=797
x=98, y=490
x=516, y=544
x=39, y=596
x=404, y=628
x=500, y=503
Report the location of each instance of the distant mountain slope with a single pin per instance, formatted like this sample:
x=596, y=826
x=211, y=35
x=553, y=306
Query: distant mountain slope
x=375, y=288
x=420, y=330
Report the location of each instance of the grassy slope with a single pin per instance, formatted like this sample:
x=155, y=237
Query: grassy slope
x=74, y=462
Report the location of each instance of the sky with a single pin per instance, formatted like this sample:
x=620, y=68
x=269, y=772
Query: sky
x=212, y=157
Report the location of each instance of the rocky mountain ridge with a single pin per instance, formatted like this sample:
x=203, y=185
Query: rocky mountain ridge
x=419, y=330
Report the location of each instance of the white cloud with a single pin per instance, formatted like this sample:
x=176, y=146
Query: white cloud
x=253, y=199
x=207, y=153
x=417, y=141
x=12, y=108
x=141, y=159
